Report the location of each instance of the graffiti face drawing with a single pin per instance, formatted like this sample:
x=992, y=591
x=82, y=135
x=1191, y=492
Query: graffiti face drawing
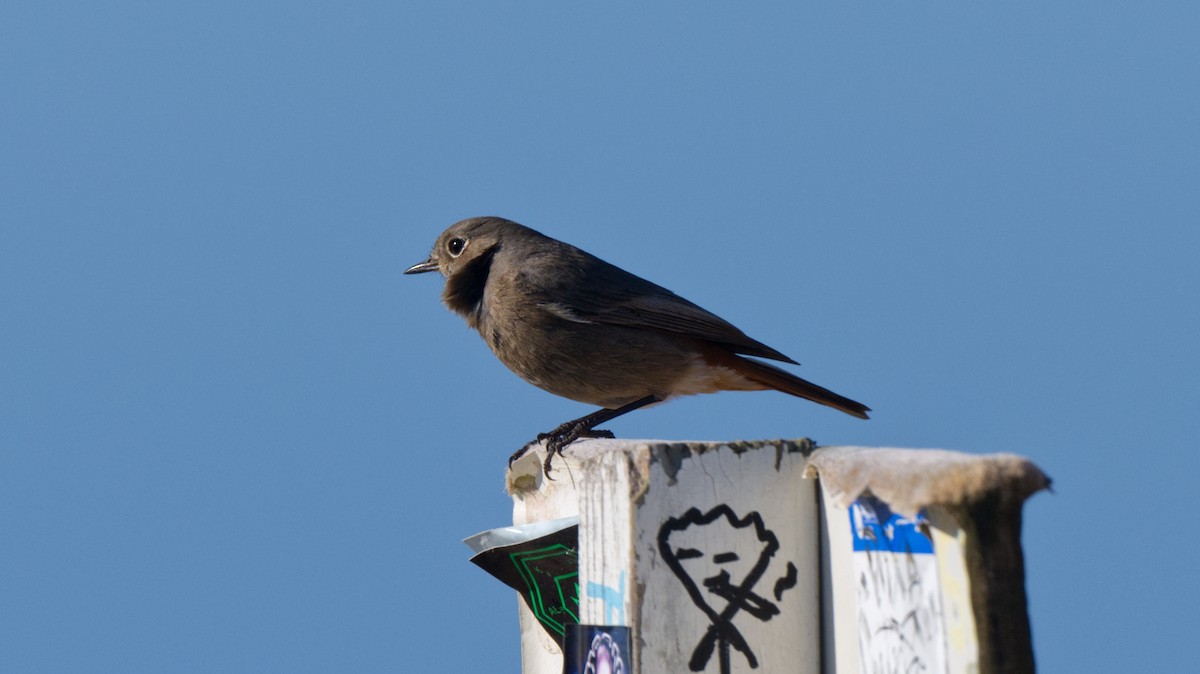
x=719, y=558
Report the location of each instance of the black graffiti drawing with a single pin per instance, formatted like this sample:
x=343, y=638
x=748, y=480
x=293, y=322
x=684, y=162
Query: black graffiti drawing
x=737, y=595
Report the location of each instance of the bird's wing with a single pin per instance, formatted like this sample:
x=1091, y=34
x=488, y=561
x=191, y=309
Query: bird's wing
x=617, y=297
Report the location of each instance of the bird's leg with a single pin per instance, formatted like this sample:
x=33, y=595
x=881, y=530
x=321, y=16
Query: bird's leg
x=583, y=427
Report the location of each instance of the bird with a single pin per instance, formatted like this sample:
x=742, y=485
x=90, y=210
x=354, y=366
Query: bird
x=574, y=325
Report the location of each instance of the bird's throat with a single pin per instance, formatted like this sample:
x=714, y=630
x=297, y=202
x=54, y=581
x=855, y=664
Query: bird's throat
x=464, y=288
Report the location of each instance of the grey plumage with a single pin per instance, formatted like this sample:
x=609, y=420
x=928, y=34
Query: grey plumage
x=579, y=327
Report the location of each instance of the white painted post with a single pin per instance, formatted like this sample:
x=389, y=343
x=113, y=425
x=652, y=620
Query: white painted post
x=726, y=557
x=956, y=601
x=708, y=551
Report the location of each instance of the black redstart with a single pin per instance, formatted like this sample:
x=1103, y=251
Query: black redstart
x=572, y=324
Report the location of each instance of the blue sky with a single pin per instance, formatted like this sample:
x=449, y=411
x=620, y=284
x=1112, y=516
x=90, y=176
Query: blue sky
x=233, y=437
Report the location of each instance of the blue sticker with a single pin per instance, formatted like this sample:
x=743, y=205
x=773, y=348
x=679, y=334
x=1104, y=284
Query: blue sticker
x=876, y=528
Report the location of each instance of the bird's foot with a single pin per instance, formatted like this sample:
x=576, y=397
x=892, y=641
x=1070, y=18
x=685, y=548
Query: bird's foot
x=558, y=439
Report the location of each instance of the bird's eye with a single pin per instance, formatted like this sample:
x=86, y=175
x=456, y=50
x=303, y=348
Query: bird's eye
x=455, y=246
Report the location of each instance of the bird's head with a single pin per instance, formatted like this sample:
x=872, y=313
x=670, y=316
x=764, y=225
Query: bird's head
x=463, y=254
x=463, y=244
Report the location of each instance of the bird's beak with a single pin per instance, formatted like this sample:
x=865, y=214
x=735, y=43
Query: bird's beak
x=422, y=267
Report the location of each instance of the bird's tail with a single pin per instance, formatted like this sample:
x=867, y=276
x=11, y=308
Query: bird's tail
x=780, y=380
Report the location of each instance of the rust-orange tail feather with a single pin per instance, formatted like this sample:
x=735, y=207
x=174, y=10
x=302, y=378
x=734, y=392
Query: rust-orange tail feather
x=780, y=380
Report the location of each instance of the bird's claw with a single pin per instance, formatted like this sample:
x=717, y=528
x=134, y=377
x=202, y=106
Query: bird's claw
x=519, y=453
x=557, y=439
